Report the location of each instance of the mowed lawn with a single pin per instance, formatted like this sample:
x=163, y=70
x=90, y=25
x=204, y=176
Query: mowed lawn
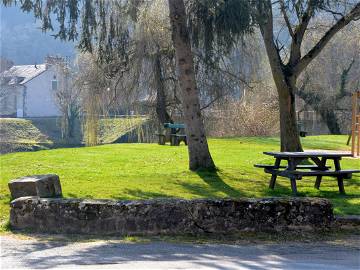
x=143, y=171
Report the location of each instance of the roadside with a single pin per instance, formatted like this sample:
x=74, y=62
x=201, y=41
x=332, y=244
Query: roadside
x=63, y=252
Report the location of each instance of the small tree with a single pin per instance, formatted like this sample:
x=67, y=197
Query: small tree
x=67, y=97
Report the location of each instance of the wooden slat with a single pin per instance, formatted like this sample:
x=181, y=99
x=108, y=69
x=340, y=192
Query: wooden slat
x=289, y=173
x=309, y=154
x=310, y=167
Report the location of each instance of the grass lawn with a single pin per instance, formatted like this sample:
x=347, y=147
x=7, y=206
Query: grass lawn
x=143, y=171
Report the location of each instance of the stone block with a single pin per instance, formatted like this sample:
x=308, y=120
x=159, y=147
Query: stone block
x=46, y=186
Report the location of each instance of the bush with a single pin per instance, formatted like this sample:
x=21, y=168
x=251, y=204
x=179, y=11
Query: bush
x=239, y=118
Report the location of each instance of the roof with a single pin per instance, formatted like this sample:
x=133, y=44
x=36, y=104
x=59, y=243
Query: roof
x=23, y=74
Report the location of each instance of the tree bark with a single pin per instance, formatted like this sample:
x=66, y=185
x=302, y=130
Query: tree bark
x=285, y=85
x=199, y=154
x=285, y=75
x=289, y=133
x=161, y=112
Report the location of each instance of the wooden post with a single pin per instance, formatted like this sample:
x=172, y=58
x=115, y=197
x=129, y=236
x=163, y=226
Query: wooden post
x=355, y=125
x=273, y=176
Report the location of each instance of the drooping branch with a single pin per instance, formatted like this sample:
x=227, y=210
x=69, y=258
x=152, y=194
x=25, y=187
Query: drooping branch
x=320, y=45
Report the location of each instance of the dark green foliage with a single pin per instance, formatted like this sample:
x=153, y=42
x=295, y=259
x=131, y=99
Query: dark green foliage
x=218, y=24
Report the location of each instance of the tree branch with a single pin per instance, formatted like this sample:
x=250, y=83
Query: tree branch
x=306, y=60
x=286, y=18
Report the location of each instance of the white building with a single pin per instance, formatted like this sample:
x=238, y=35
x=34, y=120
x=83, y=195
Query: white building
x=29, y=91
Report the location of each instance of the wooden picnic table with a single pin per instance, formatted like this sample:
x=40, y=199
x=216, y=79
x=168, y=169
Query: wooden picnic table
x=176, y=136
x=295, y=170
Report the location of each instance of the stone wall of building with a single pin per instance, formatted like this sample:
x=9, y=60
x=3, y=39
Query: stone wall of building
x=168, y=216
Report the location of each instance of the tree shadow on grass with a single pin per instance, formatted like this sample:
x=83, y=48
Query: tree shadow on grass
x=217, y=184
x=138, y=194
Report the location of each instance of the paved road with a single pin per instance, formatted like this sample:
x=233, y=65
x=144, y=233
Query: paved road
x=34, y=254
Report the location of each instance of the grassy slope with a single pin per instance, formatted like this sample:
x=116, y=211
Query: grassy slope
x=20, y=135
x=20, y=131
x=112, y=129
x=141, y=171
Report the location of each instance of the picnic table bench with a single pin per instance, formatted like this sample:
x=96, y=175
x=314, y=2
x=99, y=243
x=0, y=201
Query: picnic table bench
x=176, y=134
x=295, y=171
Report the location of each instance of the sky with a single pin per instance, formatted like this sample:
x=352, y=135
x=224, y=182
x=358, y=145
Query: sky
x=23, y=42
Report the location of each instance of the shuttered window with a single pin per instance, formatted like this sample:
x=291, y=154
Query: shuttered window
x=54, y=85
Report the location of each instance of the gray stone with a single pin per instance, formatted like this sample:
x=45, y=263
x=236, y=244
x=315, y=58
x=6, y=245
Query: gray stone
x=47, y=185
x=169, y=216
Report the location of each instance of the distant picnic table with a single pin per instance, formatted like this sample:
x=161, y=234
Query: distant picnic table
x=295, y=170
x=177, y=134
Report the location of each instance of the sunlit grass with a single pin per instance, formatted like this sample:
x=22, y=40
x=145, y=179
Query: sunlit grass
x=143, y=171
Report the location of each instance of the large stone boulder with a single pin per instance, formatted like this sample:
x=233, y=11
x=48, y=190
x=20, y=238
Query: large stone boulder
x=46, y=186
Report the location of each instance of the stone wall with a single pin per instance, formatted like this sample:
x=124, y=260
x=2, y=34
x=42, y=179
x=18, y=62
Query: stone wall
x=173, y=216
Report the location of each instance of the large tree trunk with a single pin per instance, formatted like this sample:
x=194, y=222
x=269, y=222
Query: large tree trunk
x=199, y=155
x=289, y=133
x=161, y=112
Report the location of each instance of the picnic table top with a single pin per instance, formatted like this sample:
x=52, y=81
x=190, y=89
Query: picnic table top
x=309, y=154
x=174, y=125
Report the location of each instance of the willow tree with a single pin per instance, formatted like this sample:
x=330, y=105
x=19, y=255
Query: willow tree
x=105, y=26
x=221, y=23
x=155, y=56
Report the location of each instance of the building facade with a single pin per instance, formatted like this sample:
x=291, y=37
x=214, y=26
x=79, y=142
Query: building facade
x=29, y=91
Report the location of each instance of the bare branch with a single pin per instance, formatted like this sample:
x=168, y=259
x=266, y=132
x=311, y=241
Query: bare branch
x=306, y=60
x=286, y=18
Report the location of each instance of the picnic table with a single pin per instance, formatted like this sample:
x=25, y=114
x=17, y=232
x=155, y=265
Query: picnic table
x=177, y=134
x=295, y=170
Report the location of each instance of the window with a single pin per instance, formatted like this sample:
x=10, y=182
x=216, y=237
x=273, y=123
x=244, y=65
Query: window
x=54, y=85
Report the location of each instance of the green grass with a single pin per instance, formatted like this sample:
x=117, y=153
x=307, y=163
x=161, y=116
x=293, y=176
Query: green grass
x=143, y=171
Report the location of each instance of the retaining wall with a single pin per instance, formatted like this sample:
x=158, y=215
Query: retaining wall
x=168, y=216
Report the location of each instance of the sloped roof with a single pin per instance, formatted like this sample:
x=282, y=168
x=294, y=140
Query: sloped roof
x=22, y=74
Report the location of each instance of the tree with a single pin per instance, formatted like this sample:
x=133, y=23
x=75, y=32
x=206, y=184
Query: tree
x=67, y=97
x=286, y=68
x=222, y=23
x=329, y=81
x=154, y=57
x=105, y=26
x=90, y=80
x=199, y=154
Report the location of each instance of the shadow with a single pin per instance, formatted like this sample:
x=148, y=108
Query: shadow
x=213, y=179
x=73, y=195
x=138, y=194
x=161, y=255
